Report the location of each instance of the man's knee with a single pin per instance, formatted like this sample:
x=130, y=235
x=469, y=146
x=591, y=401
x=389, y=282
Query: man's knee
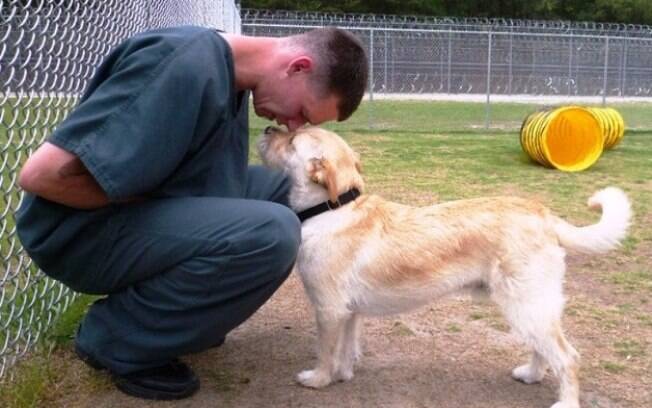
x=266, y=240
x=283, y=235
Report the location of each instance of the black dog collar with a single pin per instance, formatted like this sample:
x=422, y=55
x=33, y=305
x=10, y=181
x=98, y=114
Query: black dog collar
x=343, y=199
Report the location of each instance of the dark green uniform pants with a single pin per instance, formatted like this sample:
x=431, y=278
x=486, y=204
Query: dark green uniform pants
x=186, y=271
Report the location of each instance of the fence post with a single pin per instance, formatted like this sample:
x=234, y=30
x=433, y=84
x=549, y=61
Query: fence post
x=393, y=68
x=606, y=67
x=450, y=47
x=623, y=75
x=488, y=107
x=511, y=52
x=371, y=64
x=371, y=78
x=234, y=18
x=149, y=6
x=570, y=64
x=385, y=67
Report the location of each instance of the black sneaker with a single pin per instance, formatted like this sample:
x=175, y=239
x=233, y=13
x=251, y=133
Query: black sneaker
x=172, y=381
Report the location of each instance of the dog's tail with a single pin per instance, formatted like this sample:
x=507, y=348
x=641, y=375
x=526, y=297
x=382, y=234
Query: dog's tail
x=607, y=233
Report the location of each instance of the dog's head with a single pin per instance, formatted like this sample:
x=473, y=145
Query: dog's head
x=320, y=164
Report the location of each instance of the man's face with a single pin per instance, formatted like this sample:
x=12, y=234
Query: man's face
x=293, y=101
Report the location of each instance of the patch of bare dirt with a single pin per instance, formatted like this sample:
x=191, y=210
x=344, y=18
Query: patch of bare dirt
x=454, y=353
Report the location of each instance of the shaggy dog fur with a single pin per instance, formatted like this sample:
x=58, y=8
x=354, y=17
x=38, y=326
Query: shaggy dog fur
x=374, y=257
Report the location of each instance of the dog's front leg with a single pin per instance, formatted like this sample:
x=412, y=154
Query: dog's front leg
x=349, y=349
x=330, y=330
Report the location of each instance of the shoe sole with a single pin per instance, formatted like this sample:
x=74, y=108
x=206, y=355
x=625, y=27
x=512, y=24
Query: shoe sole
x=149, y=394
x=133, y=389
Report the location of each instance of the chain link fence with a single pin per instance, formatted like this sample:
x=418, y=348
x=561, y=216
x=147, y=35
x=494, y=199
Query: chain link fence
x=260, y=16
x=488, y=60
x=48, y=52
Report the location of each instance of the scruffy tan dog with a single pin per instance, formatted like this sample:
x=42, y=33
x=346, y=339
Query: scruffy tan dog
x=373, y=257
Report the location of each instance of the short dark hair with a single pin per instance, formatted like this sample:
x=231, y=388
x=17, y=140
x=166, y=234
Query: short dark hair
x=342, y=67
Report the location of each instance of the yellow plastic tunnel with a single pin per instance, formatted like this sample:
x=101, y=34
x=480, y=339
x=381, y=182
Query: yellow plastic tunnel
x=567, y=138
x=612, y=125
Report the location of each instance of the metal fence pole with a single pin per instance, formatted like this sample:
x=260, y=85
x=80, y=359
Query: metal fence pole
x=570, y=64
x=450, y=54
x=534, y=67
x=371, y=65
x=623, y=89
x=148, y=20
x=371, y=79
x=385, y=66
x=606, y=71
x=510, y=73
x=393, y=68
x=488, y=107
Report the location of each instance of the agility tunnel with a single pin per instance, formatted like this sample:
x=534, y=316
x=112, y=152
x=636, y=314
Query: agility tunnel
x=611, y=124
x=570, y=138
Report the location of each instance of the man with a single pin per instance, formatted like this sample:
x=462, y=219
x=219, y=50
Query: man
x=144, y=194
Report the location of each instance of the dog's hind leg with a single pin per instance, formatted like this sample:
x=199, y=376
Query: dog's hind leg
x=330, y=331
x=551, y=345
x=349, y=349
x=552, y=349
x=533, y=304
x=533, y=372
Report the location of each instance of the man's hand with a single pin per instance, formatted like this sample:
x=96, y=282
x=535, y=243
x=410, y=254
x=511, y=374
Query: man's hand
x=60, y=176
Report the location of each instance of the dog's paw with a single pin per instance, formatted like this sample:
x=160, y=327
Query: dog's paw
x=562, y=404
x=344, y=375
x=313, y=379
x=528, y=375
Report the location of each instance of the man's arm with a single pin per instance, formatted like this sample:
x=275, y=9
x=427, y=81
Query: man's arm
x=60, y=176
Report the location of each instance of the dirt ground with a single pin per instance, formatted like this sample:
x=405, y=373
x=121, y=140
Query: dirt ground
x=453, y=353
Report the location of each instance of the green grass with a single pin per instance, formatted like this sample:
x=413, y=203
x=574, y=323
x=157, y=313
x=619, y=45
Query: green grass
x=633, y=280
x=453, y=328
x=613, y=368
x=456, y=117
x=630, y=349
x=35, y=376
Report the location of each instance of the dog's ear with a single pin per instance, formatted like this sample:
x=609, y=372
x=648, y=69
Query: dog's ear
x=322, y=172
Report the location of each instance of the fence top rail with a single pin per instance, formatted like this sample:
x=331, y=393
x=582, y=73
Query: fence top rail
x=450, y=31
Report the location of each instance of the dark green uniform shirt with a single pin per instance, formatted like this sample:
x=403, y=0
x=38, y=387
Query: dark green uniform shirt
x=161, y=118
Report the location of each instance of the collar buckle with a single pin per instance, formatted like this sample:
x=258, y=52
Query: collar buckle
x=333, y=205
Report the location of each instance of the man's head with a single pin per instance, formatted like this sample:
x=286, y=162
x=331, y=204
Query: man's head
x=321, y=76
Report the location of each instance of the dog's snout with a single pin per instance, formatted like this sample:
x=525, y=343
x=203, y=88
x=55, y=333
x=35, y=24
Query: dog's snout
x=271, y=129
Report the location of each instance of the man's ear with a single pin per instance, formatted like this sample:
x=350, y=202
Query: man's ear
x=322, y=172
x=300, y=64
